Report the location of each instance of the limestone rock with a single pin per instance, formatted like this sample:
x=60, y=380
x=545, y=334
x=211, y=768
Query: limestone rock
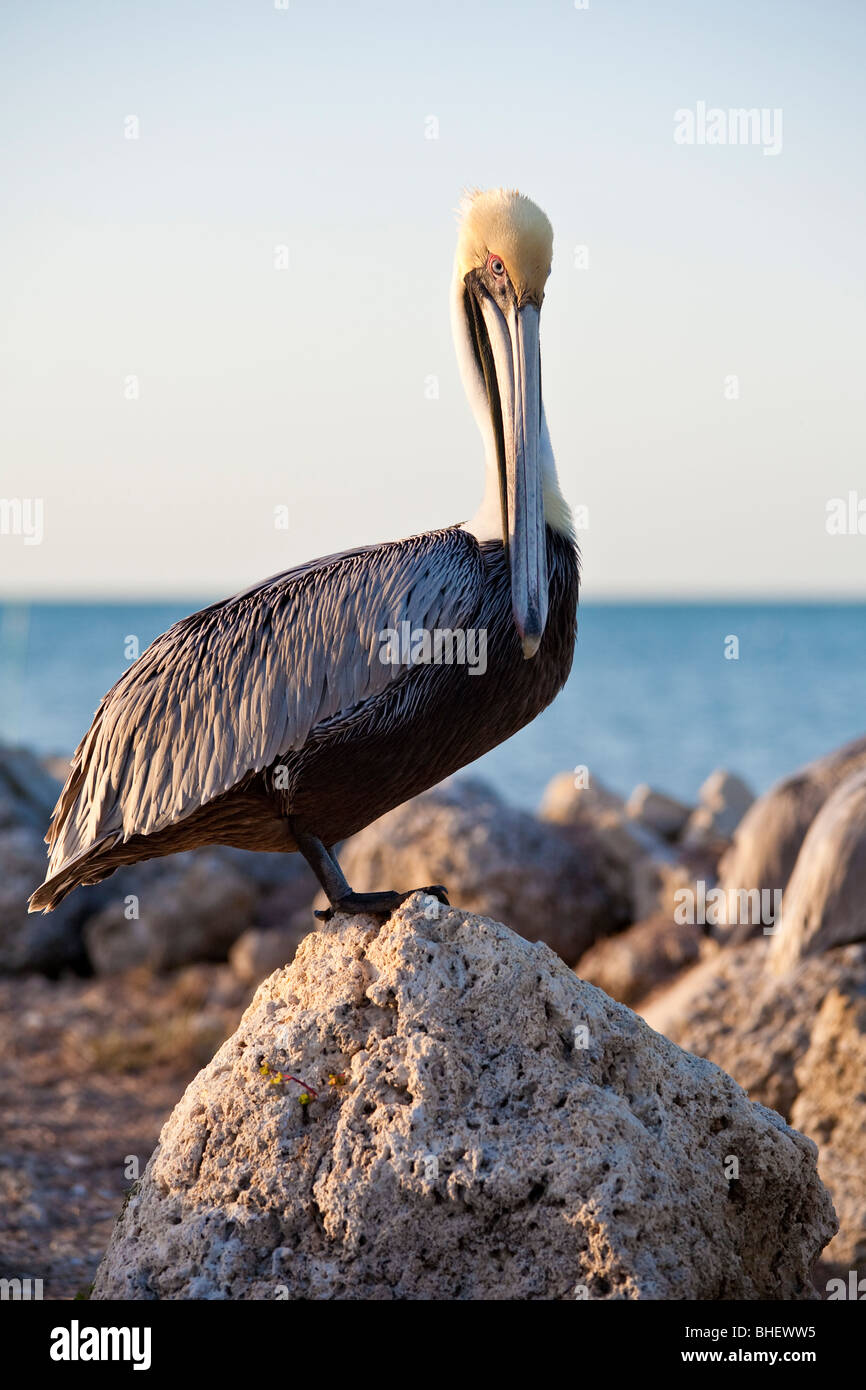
x=564, y=803
x=48, y=944
x=824, y=903
x=493, y=859
x=630, y=964
x=287, y=876
x=768, y=839
x=796, y=1042
x=657, y=811
x=30, y=941
x=257, y=952
x=27, y=792
x=500, y=1130
x=831, y=1108
x=638, y=869
x=190, y=907
x=723, y=800
x=732, y=1009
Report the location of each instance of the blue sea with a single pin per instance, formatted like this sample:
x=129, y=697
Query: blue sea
x=659, y=693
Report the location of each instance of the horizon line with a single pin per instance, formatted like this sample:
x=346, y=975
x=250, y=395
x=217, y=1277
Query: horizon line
x=196, y=602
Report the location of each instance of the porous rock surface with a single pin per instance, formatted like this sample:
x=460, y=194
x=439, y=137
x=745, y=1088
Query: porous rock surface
x=504, y=1130
x=831, y=1107
x=797, y=1042
x=732, y=1008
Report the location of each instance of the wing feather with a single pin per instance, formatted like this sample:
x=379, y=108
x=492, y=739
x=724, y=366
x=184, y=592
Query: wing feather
x=225, y=692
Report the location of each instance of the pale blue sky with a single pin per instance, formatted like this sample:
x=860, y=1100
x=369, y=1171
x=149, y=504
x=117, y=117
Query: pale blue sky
x=306, y=387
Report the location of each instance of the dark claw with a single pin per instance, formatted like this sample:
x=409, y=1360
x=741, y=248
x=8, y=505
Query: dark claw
x=378, y=904
x=436, y=891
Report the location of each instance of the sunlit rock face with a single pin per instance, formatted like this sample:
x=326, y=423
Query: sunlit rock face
x=469, y=1121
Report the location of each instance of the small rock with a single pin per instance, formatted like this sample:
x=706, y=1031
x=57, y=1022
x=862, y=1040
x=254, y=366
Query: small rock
x=831, y=1109
x=33, y=942
x=286, y=875
x=190, y=907
x=723, y=800
x=565, y=803
x=289, y=903
x=258, y=953
x=824, y=903
x=27, y=792
x=663, y=814
x=635, y=961
x=637, y=867
x=770, y=835
x=47, y=944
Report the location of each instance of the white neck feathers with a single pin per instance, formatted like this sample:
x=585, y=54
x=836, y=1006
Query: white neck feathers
x=487, y=523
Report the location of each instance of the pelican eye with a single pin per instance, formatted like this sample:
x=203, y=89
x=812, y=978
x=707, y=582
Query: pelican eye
x=496, y=265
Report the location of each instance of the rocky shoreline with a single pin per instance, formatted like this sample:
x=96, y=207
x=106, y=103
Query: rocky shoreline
x=735, y=927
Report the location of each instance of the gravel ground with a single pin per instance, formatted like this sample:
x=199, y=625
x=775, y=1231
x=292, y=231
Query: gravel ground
x=89, y=1072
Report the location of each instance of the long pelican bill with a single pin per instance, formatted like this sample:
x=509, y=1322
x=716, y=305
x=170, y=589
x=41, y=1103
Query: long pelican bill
x=507, y=340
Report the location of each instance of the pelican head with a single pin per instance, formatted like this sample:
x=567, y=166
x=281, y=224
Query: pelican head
x=504, y=251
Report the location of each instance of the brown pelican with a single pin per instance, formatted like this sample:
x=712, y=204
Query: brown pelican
x=287, y=718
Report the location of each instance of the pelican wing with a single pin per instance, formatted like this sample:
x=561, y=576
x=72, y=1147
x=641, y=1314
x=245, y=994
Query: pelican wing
x=225, y=692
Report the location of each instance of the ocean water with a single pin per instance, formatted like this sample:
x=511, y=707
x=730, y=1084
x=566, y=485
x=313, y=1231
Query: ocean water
x=656, y=693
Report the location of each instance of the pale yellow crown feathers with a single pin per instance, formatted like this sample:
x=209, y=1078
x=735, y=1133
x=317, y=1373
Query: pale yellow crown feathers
x=508, y=224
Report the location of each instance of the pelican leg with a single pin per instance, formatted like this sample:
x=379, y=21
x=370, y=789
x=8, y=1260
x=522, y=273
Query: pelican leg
x=323, y=863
